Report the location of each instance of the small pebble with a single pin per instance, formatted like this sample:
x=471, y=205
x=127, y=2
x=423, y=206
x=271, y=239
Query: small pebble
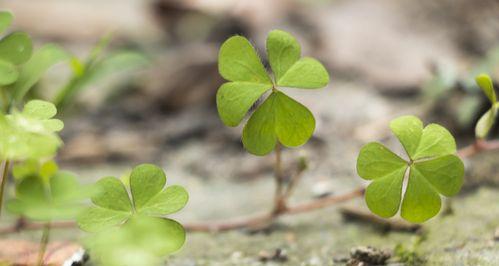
x=278, y=255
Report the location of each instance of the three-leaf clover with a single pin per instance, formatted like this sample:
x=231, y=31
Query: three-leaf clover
x=432, y=169
x=279, y=117
x=149, y=197
x=30, y=134
x=59, y=197
x=487, y=120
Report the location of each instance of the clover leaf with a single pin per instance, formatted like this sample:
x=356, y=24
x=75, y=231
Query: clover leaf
x=30, y=134
x=487, y=120
x=432, y=169
x=141, y=241
x=143, y=227
x=279, y=117
x=57, y=198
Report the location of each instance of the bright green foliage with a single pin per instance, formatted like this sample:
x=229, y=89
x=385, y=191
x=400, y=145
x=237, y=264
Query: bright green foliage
x=141, y=241
x=432, y=169
x=487, y=120
x=8, y=73
x=30, y=168
x=18, y=68
x=57, y=198
x=150, y=201
x=279, y=117
x=5, y=20
x=30, y=134
x=16, y=48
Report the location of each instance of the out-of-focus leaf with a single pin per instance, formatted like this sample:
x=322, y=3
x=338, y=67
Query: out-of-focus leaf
x=485, y=83
x=5, y=20
x=31, y=72
x=29, y=135
x=141, y=241
x=16, y=48
x=8, y=73
x=117, y=64
x=59, y=199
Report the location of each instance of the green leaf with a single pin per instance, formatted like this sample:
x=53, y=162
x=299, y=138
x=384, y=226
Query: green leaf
x=294, y=123
x=433, y=140
x=376, y=161
x=433, y=170
x=33, y=168
x=384, y=193
x=485, y=83
x=8, y=73
x=28, y=135
x=283, y=51
x=5, y=20
x=16, y=48
x=408, y=130
x=279, y=117
x=307, y=73
x=114, y=206
x=112, y=195
x=31, y=72
x=445, y=174
x=259, y=136
x=421, y=200
x=146, y=181
x=234, y=99
x=485, y=123
x=39, y=109
x=170, y=200
x=58, y=199
x=238, y=61
x=95, y=219
x=141, y=241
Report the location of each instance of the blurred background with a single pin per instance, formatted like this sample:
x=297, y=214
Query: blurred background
x=152, y=99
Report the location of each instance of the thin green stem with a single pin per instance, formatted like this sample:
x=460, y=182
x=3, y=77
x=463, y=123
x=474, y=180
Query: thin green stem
x=43, y=244
x=279, y=200
x=5, y=177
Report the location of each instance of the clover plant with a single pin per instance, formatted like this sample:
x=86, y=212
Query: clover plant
x=487, y=120
x=31, y=133
x=43, y=193
x=127, y=217
x=58, y=197
x=432, y=169
x=279, y=118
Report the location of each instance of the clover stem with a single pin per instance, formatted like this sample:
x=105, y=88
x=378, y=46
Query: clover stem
x=43, y=243
x=279, y=203
x=5, y=175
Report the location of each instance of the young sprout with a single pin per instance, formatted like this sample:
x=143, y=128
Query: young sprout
x=487, y=120
x=279, y=118
x=150, y=201
x=432, y=169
